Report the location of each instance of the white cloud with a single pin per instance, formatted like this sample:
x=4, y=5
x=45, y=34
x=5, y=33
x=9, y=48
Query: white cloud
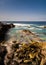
x=21, y=18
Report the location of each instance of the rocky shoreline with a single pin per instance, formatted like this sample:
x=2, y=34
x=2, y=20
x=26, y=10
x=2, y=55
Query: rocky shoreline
x=25, y=48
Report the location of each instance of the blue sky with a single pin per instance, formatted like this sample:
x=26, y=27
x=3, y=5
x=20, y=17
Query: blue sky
x=22, y=10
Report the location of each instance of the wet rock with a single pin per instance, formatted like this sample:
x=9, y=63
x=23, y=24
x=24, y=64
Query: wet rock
x=27, y=54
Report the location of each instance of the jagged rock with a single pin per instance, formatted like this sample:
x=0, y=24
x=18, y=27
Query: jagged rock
x=3, y=30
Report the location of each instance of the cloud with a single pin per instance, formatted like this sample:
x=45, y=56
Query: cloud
x=21, y=17
x=18, y=16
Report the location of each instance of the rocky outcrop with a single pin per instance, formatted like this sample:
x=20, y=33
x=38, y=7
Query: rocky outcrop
x=44, y=26
x=3, y=30
x=24, y=48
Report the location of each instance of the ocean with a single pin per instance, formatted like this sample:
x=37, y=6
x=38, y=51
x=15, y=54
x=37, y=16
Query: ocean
x=27, y=22
x=35, y=27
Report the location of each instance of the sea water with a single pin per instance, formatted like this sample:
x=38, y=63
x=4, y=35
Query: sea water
x=36, y=27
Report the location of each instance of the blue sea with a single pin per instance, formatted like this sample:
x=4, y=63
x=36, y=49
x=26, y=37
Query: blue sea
x=28, y=22
x=36, y=27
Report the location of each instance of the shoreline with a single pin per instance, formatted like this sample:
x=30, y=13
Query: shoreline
x=22, y=48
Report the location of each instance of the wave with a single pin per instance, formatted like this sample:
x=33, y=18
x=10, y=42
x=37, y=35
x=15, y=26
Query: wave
x=43, y=26
x=31, y=28
x=38, y=29
x=21, y=24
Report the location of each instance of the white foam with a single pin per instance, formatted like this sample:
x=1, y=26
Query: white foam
x=32, y=28
x=21, y=24
x=38, y=28
x=41, y=26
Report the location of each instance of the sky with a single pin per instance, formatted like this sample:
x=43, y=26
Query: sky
x=22, y=10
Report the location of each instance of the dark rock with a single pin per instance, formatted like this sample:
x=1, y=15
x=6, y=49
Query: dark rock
x=3, y=30
x=3, y=52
